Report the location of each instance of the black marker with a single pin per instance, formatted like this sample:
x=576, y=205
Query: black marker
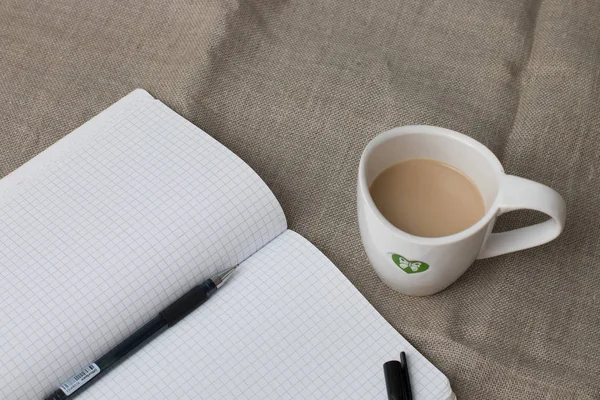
x=165, y=319
x=393, y=383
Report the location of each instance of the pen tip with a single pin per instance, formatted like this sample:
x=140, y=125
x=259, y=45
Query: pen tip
x=222, y=277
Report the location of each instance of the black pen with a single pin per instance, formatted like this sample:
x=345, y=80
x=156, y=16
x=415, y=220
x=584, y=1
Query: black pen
x=165, y=319
x=405, y=378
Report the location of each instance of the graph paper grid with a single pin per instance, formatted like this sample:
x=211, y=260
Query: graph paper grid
x=96, y=242
x=120, y=218
x=288, y=325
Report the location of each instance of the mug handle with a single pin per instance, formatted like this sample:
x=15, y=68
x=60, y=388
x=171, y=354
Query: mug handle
x=519, y=193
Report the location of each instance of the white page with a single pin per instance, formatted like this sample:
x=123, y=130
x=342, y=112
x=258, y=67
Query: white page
x=288, y=325
x=74, y=140
x=101, y=234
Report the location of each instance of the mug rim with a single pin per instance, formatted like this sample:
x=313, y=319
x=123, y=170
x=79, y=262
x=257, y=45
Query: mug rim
x=435, y=130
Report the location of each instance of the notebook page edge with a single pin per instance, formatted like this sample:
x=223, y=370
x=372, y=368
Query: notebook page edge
x=248, y=167
x=67, y=143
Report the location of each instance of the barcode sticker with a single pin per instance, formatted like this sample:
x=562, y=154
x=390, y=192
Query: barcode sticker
x=77, y=381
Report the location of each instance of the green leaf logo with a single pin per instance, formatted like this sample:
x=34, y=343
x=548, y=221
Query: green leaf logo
x=410, y=267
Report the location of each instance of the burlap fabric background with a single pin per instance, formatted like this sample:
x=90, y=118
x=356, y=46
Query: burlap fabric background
x=297, y=88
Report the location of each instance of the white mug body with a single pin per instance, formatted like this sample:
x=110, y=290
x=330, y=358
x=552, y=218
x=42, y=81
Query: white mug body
x=422, y=266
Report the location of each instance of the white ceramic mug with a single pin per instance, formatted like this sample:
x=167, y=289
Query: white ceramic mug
x=422, y=266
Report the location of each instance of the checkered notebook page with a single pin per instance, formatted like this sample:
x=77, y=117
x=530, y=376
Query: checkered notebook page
x=110, y=225
x=288, y=325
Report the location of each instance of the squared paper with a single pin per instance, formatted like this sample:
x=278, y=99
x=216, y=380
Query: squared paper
x=99, y=239
x=118, y=219
x=288, y=325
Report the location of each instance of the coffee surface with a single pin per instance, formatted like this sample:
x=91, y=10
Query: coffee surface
x=427, y=198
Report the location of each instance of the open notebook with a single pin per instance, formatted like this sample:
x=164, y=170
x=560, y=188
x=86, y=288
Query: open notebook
x=121, y=217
